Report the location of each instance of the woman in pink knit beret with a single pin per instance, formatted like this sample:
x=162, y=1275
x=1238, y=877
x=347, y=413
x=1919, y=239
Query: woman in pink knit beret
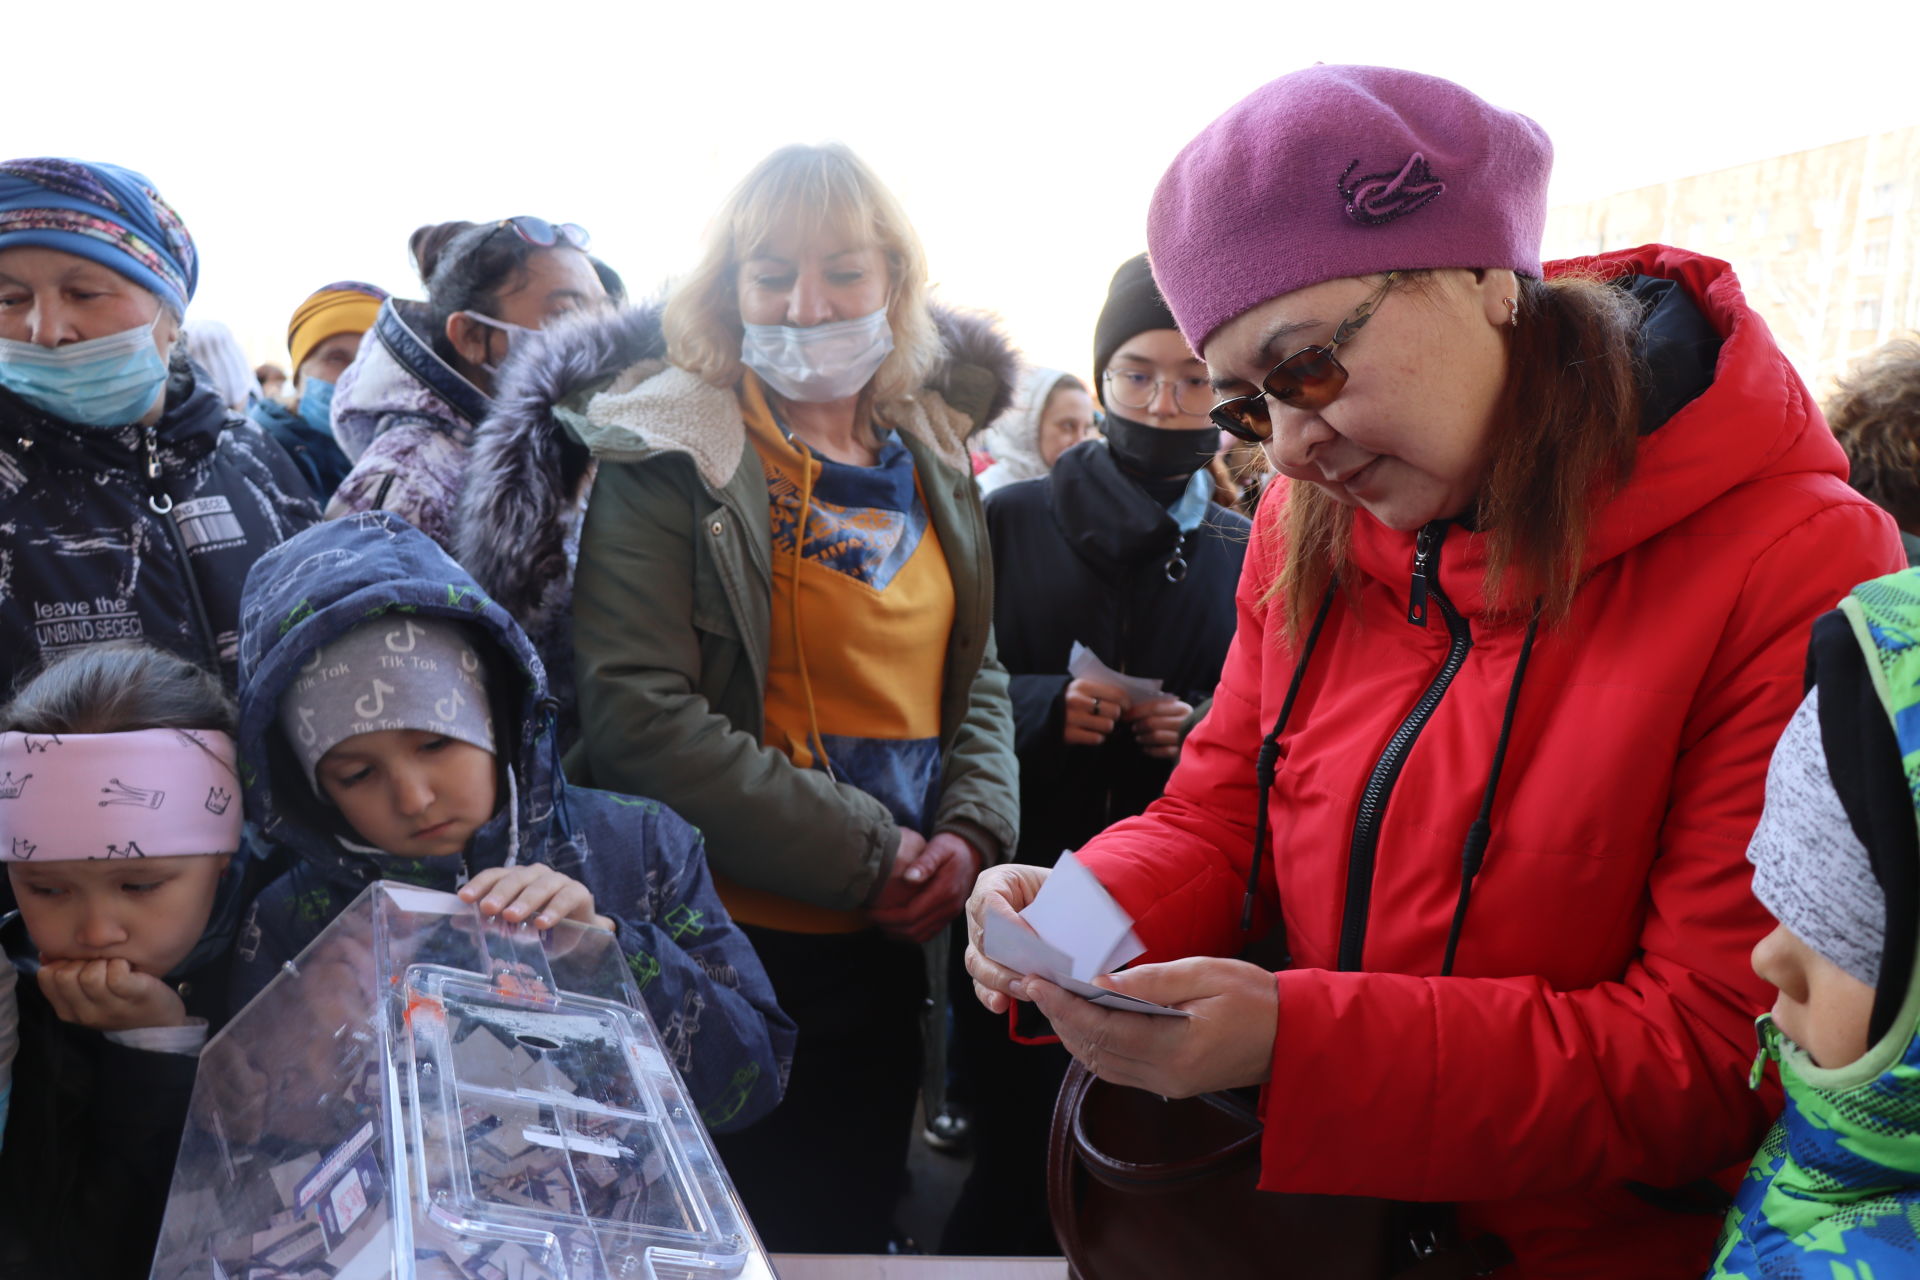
x=1515, y=640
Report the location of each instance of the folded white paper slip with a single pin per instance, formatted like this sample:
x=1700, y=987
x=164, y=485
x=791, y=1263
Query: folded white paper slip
x=1073, y=932
x=1084, y=664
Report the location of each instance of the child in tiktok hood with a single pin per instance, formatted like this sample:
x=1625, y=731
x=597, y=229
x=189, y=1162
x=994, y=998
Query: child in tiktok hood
x=396, y=725
x=120, y=829
x=1835, y=1188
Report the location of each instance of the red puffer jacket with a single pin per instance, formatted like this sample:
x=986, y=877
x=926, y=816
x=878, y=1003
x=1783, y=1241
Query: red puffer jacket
x=1599, y=1023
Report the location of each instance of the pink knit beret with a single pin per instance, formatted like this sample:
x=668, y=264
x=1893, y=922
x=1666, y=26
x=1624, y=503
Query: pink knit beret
x=1343, y=171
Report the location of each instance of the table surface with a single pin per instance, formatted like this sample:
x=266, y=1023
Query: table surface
x=828, y=1266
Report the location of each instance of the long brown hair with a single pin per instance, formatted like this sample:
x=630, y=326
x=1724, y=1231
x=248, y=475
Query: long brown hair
x=1563, y=442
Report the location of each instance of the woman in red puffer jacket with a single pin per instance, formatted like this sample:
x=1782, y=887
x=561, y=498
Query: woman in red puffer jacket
x=1515, y=641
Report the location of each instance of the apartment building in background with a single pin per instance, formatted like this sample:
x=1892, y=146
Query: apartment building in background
x=1826, y=242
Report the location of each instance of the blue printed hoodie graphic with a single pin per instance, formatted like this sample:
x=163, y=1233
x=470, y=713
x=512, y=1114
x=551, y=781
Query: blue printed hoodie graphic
x=698, y=975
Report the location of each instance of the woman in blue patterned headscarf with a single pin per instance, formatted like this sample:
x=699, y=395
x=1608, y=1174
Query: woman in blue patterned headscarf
x=100, y=239
x=103, y=213
x=135, y=499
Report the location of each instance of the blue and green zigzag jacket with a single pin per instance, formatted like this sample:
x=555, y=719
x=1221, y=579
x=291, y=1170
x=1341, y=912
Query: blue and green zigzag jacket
x=1834, y=1193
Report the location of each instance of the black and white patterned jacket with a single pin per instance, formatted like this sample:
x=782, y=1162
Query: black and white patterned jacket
x=135, y=533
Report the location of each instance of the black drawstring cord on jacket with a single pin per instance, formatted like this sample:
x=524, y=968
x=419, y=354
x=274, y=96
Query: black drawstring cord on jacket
x=1267, y=764
x=1474, y=852
x=557, y=806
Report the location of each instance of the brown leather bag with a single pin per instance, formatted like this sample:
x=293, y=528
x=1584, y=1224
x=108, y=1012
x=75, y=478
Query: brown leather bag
x=1142, y=1187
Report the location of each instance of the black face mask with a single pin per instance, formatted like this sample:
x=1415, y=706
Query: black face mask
x=1160, y=454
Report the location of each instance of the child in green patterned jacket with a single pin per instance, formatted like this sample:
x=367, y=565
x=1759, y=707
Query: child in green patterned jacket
x=1835, y=1189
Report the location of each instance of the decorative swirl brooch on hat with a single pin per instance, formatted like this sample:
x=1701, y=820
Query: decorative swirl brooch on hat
x=1375, y=199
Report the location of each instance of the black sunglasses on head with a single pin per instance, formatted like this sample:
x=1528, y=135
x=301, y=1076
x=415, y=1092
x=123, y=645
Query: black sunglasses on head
x=1310, y=378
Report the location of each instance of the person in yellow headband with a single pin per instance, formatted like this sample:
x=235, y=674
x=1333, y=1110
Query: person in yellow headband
x=322, y=338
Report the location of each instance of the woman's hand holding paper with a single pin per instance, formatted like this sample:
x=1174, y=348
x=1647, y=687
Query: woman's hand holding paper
x=1226, y=1044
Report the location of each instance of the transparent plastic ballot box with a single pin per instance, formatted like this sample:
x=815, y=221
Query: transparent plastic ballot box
x=430, y=1093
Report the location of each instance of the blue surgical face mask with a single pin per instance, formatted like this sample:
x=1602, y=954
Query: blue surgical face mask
x=102, y=382
x=823, y=363
x=316, y=403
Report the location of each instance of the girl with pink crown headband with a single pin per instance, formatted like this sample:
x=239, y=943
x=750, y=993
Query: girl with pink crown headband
x=120, y=822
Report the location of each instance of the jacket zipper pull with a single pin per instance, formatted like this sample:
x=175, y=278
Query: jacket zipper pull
x=1417, y=596
x=159, y=501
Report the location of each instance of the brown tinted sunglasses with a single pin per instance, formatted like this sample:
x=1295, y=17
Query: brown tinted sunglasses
x=1310, y=378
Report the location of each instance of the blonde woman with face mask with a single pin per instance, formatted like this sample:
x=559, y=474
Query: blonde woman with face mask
x=782, y=623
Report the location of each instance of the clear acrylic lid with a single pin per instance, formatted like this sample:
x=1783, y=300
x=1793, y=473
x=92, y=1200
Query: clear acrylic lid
x=428, y=1093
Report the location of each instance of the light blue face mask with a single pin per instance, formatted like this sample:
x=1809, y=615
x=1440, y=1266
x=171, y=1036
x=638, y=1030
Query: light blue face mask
x=102, y=382
x=316, y=403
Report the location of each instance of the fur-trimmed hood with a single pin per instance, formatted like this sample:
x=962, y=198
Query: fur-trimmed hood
x=517, y=527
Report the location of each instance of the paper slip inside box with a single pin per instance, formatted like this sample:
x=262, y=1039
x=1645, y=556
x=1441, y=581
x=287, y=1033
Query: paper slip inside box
x=1074, y=931
x=1084, y=664
x=425, y=901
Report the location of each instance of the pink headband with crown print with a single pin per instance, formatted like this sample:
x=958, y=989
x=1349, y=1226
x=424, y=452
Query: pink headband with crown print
x=153, y=793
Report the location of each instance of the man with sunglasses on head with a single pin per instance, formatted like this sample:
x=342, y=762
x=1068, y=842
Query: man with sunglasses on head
x=408, y=412
x=1515, y=641
x=1122, y=549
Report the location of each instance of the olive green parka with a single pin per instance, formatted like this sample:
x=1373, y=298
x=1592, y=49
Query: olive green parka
x=671, y=617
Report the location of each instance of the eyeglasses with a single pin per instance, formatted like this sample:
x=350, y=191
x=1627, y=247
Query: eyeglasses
x=538, y=231
x=1131, y=389
x=1310, y=378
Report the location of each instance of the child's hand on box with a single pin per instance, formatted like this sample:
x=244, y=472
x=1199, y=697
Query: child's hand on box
x=108, y=995
x=532, y=890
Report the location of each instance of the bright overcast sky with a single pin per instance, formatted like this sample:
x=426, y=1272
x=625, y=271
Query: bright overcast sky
x=302, y=142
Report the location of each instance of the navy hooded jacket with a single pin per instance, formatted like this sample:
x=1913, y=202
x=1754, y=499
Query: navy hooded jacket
x=314, y=451
x=697, y=973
